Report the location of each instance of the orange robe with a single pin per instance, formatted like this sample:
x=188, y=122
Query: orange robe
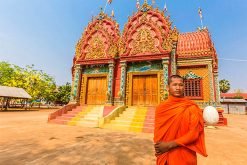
x=180, y=120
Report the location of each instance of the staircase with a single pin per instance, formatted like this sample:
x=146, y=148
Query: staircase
x=222, y=120
x=89, y=117
x=134, y=119
x=66, y=117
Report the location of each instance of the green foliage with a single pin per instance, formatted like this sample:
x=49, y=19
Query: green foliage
x=238, y=94
x=238, y=97
x=63, y=93
x=6, y=72
x=224, y=85
x=38, y=84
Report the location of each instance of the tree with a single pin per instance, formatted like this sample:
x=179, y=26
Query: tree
x=38, y=84
x=224, y=86
x=63, y=93
x=238, y=93
x=6, y=72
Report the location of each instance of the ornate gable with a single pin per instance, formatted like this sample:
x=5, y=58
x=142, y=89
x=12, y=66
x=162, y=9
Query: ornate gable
x=99, y=41
x=147, y=32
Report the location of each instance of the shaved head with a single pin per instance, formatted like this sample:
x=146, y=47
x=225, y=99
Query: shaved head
x=174, y=77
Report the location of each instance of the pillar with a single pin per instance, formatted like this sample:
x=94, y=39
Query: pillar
x=110, y=84
x=210, y=76
x=165, y=64
x=74, y=97
x=173, y=59
x=122, y=81
x=217, y=88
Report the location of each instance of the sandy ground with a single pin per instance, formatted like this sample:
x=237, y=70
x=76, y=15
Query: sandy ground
x=26, y=138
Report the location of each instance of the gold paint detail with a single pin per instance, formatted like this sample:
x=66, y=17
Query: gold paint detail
x=162, y=88
x=82, y=98
x=170, y=39
x=95, y=48
x=144, y=43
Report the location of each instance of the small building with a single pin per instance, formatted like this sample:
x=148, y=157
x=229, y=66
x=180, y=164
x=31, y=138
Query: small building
x=234, y=106
x=8, y=93
x=234, y=96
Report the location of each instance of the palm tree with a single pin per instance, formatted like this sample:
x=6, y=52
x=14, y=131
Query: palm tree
x=224, y=86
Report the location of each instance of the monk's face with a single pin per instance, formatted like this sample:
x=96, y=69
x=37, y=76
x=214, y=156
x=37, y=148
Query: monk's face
x=176, y=87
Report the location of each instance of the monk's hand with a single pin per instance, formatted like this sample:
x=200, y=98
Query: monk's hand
x=163, y=147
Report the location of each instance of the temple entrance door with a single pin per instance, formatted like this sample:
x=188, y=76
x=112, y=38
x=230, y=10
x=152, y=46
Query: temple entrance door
x=145, y=90
x=96, y=90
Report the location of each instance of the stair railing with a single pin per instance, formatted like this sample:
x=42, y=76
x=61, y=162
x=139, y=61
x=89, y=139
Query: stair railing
x=115, y=113
x=61, y=111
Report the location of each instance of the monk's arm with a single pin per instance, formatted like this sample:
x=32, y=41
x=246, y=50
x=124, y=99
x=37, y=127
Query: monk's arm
x=193, y=133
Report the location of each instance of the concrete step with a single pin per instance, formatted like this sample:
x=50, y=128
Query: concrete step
x=91, y=118
x=135, y=115
x=119, y=127
x=148, y=130
x=123, y=122
x=87, y=123
x=69, y=115
x=92, y=115
x=64, y=118
x=124, y=128
x=149, y=125
x=149, y=120
x=73, y=112
x=131, y=117
x=57, y=121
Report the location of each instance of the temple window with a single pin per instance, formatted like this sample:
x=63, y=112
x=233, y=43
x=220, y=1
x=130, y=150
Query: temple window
x=193, y=86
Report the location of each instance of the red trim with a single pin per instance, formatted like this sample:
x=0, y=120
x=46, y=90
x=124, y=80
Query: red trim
x=144, y=57
x=61, y=111
x=95, y=61
x=192, y=66
x=232, y=95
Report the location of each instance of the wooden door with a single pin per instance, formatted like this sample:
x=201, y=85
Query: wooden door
x=151, y=90
x=96, y=90
x=145, y=90
x=138, y=90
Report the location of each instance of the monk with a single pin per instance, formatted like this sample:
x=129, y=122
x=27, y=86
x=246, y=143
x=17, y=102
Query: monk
x=179, y=127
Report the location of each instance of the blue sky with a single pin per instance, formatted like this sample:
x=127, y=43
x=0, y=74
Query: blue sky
x=44, y=32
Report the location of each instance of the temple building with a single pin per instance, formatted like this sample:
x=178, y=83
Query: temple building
x=132, y=68
x=119, y=78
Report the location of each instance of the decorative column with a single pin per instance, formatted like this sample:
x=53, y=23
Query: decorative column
x=122, y=81
x=210, y=76
x=110, y=83
x=173, y=59
x=217, y=88
x=165, y=63
x=74, y=97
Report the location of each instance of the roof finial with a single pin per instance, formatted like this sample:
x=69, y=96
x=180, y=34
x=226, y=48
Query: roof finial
x=101, y=14
x=145, y=2
x=201, y=18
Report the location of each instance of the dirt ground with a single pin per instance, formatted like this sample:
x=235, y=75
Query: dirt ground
x=26, y=138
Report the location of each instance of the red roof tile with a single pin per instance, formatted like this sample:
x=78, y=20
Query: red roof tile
x=195, y=44
x=232, y=95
